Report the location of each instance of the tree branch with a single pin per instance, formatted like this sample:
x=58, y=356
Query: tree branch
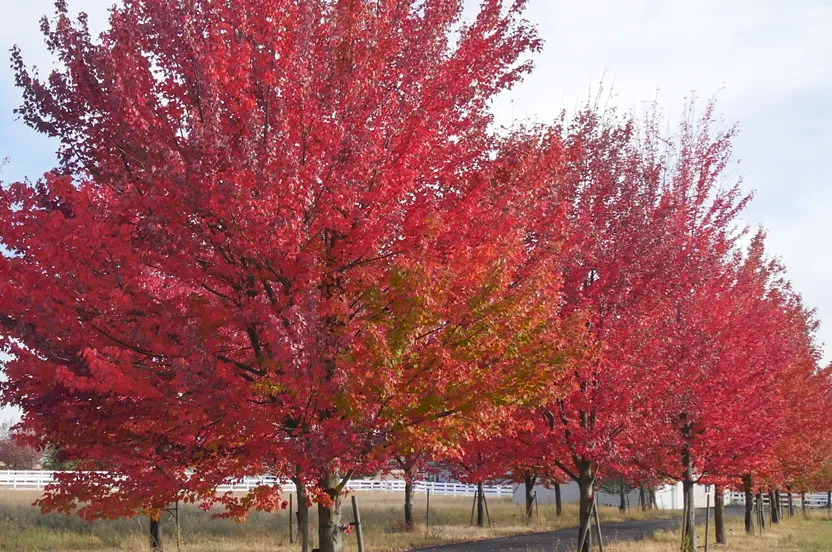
x=565, y=470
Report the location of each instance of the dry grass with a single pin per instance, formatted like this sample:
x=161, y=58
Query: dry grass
x=795, y=535
x=23, y=527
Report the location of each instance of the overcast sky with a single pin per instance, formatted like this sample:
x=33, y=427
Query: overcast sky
x=767, y=62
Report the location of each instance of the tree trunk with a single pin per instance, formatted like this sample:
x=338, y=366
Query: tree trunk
x=803, y=508
x=329, y=516
x=654, y=505
x=585, y=492
x=156, y=534
x=622, y=500
x=774, y=506
x=719, y=515
x=749, y=504
x=642, y=499
x=302, y=514
x=689, y=522
x=791, y=504
x=558, y=501
x=829, y=500
x=529, y=480
x=409, y=524
x=778, y=498
x=480, y=506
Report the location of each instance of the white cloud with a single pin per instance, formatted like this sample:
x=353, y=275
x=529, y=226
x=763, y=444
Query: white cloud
x=768, y=62
x=757, y=50
x=20, y=25
x=803, y=244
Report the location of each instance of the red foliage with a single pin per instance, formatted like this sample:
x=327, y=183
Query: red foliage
x=633, y=206
x=284, y=238
x=266, y=247
x=713, y=391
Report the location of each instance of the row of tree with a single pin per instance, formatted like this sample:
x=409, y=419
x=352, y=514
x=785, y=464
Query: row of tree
x=285, y=237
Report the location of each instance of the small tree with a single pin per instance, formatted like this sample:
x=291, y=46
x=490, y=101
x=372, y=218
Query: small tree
x=16, y=455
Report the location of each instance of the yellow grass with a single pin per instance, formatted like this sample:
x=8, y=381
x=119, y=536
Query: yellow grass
x=796, y=535
x=22, y=527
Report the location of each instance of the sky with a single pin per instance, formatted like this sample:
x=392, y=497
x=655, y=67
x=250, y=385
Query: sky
x=765, y=61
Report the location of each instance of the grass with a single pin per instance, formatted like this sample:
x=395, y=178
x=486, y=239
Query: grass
x=795, y=535
x=24, y=528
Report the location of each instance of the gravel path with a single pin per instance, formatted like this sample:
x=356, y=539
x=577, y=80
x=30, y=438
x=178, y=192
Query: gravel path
x=566, y=540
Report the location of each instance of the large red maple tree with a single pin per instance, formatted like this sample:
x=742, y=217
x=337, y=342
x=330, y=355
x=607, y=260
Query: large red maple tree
x=281, y=233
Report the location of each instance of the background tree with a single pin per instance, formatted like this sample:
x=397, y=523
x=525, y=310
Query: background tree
x=638, y=203
x=15, y=455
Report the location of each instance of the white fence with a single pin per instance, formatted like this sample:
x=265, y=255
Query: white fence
x=813, y=500
x=37, y=480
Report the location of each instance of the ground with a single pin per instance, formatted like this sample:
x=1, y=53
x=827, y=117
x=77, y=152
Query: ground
x=795, y=535
x=24, y=528
x=662, y=535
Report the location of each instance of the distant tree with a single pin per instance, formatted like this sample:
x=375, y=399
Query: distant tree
x=56, y=460
x=616, y=484
x=15, y=455
x=638, y=203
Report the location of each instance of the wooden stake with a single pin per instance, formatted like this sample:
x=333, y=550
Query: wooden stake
x=487, y=515
x=588, y=526
x=358, y=530
x=291, y=533
x=178, y=530
x=707, y=514
x=427, y=517
x=598, y=524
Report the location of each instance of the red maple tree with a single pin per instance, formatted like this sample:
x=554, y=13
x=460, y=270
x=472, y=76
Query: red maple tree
x=639, y=204
x=265, y=249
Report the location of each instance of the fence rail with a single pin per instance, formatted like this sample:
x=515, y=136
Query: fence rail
x=813, y=500
x=38, y=480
